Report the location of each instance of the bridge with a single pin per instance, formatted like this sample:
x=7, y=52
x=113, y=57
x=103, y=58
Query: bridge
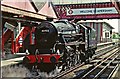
x=86, y=10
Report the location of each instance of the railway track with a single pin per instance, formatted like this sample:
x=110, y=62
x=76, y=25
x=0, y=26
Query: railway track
x=99, y=69
x=101, y=51
x=75, y=70
x=99, y=56
x=96, y=66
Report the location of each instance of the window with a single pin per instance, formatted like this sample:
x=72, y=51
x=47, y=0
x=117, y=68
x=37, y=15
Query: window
x=107, y=34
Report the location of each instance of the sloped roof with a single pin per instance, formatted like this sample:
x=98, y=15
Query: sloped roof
x=108, y=25
x=40, y=7
x=93, y=21
x=14, y=10
x=20, y=4
x=48, y=10
x=38, y=4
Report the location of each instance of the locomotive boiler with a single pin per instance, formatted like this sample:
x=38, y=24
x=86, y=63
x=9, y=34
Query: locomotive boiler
x=60, y=43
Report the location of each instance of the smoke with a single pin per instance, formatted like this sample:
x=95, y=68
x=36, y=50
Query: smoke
x=48, y=75
x=21, y=71
x=15, y=71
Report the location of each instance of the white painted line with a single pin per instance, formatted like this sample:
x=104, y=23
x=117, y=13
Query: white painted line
x=11, y=61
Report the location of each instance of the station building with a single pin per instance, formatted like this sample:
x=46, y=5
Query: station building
x=103, y=30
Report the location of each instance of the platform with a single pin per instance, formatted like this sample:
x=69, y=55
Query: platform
x=11, y=61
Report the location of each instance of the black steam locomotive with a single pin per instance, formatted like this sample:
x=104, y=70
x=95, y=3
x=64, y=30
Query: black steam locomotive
x=61, y=43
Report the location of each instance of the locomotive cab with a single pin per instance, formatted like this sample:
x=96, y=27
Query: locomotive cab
x=83, y=38
x=89, y=43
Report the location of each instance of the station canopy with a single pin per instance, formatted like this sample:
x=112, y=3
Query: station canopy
x=78, y=1
x=87, y=9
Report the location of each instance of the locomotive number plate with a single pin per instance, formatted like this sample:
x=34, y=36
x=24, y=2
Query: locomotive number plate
x=46, y=30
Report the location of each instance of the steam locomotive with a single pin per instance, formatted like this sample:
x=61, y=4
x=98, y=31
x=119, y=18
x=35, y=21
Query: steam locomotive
x=60, y=43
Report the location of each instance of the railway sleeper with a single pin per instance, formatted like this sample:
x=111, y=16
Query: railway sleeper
x=93, y=74
x=80, y=73
x=117, y=59
x=114, y=63
x=106, y=73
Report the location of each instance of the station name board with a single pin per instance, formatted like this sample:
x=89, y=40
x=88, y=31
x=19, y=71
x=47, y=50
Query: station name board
x=87, y=11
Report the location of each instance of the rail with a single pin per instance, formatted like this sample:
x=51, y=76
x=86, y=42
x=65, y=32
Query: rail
x=104, y=50
x=103, y=59
x=102, y=45
x=77, y=67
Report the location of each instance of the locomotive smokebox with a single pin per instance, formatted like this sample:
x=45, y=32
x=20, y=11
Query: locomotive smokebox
x=46, y=35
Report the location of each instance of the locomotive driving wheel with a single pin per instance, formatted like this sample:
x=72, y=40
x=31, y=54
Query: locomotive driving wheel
x=27, y=64
x=31, y=49
x=82, y=57
x=46, y=67
x=22, y=50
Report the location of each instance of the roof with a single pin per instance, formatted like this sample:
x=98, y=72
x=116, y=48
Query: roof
x=13, y=10
x=38, y=4
x=30, y=8
x=48, y=10
x=108, y=25
x=56, y=2
x=97, y=21
x=20, y=4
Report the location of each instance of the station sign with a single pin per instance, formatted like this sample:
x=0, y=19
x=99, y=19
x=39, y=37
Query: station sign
x=87, y=11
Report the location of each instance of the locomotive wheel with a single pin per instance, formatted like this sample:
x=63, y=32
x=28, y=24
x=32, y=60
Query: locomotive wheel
x=22, y=50
x=31, y=49
x=91, y=53
x=76, y=59
x=82, y=57
x=88, y=55
x=27, y=64
x=46, y=67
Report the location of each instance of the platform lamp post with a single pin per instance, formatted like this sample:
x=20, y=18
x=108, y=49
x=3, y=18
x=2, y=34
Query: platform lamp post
x=119, y=31
x=119, y=26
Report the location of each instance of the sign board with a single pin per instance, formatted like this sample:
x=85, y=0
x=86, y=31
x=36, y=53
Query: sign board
x=87, y=11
